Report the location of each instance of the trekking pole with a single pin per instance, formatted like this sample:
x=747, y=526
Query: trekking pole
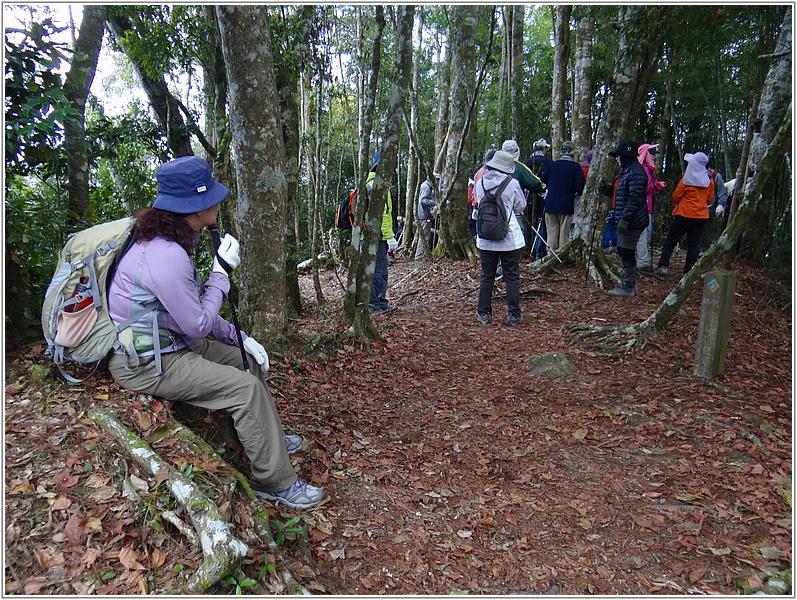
x=592, y=239
x=214, y=235
x=546, y=245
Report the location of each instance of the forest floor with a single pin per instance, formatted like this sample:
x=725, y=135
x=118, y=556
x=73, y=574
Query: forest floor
x=448, y=467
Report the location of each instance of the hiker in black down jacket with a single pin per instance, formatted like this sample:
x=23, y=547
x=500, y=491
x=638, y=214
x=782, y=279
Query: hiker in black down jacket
x=631, y=213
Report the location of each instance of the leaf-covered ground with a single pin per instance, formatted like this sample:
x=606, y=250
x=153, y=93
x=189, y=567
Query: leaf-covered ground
x=448, y=467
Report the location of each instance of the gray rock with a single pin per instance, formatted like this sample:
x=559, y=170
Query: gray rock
x=551, y=364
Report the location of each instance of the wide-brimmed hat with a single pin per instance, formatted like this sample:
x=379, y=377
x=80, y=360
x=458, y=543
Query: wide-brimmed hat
x=625, y=148
x=186, y=186
x=700, y=158
x=567, y=147
x=540, y=144
x=511, y=147
x=502, y=161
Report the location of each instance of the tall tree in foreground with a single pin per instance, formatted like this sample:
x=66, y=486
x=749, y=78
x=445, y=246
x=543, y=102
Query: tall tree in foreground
x=413, y=156
x=516, y=79
x=259, y=155
x=774, y=142
x=76, y=88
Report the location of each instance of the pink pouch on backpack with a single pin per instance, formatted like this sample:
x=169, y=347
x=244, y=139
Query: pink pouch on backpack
x=73, y=327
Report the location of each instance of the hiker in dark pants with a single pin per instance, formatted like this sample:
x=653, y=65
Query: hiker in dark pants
x=378, y=304
x=692, y=197
x=507, y=250
x=630, y=213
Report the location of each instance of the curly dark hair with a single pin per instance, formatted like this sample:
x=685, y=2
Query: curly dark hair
x=154, y=222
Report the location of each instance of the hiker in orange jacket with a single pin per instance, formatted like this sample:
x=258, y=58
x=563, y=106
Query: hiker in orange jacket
x=692, y=197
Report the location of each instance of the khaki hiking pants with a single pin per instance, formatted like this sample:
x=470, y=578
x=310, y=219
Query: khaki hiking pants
x=210, y=375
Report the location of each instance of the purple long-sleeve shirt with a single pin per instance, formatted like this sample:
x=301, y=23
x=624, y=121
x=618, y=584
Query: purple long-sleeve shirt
x=167, y=271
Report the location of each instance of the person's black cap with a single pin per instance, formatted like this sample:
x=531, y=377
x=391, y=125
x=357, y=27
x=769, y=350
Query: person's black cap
x=625, y=148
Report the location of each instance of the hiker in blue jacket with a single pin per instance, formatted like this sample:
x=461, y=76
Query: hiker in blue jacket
x=564, y=179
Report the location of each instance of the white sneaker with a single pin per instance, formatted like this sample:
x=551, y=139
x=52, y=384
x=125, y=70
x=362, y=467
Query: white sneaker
x=300, y=495
x=293, y=443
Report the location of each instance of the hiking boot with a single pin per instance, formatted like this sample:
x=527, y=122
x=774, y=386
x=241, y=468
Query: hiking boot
x=485, y=319
x=512, y=321
x=622, y=292
x=293, y=443
x=388, y=310
x=299, y=495
x=661, y=270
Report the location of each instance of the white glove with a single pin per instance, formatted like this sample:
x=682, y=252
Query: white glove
x=228, y=252
x=435, y=210
x=720, y=210
x=392, y=244
x=255, y=348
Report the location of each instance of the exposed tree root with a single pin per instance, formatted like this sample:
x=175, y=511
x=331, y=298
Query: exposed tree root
x=614, y=339
x=222, y=551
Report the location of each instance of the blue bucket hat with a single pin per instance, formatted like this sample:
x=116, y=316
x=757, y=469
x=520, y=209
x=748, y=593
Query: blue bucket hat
x=186, y=186
x=377, y=156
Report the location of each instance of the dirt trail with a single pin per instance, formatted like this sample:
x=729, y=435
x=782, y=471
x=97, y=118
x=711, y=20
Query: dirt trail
x=448, y=467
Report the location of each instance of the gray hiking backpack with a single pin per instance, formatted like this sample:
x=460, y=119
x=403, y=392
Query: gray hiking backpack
x=75, y=319
x=492, y=222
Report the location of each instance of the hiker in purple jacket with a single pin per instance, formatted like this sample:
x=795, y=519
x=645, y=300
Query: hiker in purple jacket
x=184, y=349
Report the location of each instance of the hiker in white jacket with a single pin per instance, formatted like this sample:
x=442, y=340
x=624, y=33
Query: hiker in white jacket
x=506, y=250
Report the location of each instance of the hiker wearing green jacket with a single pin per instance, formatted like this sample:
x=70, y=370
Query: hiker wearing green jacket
x=378, y=303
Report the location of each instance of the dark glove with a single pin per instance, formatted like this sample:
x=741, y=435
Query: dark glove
x=610, y=219
x=622, y=226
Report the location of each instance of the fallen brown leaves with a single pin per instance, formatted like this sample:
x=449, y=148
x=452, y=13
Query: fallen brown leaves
x=448, y=468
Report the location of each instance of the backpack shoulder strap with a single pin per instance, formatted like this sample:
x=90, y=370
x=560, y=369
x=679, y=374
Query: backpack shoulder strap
x=502, y=187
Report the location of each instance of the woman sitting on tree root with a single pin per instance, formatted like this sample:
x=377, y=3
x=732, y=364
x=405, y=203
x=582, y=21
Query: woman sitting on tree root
x=176, y=358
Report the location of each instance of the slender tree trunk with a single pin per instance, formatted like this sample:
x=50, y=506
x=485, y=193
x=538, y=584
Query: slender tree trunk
x=165, y=105
x=288, y=63
x=459, y=150
x=76, y=88
x=559, y=90
x=218, y=133
x=259, y=152
x=443, y=104
x=516, y=75
x=504, y=110
x=413, y=163
x=358, y=289
x=394, y=120
x=310, y=137
x=582, y=77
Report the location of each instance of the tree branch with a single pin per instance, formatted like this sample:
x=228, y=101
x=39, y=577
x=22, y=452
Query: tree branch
x=222, y=551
